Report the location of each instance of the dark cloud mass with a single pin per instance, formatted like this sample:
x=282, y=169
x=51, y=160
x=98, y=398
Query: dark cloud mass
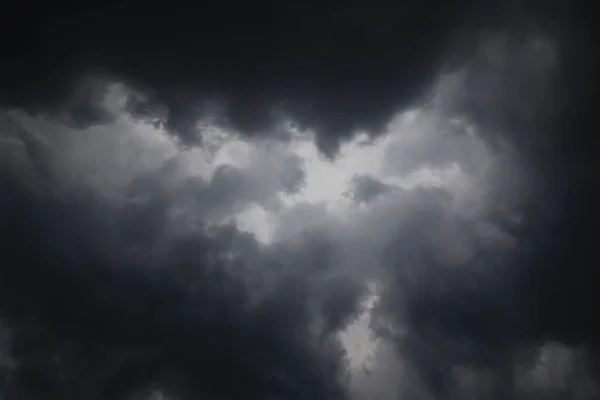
x=127, y=270
x=335, y=68
x=95, y=317
x=366, y=188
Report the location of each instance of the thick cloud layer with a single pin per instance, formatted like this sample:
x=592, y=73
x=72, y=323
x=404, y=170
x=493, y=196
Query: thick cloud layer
x=334, y=226
x=110, y=295
x=335, y=68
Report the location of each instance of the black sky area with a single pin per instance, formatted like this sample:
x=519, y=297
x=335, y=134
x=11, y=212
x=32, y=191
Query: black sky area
x=336, y=67
x=99, y=301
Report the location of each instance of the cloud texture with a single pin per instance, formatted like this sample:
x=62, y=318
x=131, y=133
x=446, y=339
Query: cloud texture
x=318, y=222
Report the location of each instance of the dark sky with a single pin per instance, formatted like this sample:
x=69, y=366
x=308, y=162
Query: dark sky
x=280, y=200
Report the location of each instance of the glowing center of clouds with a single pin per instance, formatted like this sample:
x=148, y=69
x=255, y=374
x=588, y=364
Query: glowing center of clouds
x=111, y=157
x=325, y=182
x=328, y=182
x=400, y=158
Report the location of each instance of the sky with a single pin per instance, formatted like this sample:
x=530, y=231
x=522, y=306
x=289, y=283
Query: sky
x=342, y=202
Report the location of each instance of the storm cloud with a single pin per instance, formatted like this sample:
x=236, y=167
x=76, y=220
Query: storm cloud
x=346, y=204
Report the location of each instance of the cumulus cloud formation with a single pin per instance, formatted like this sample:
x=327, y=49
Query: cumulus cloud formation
x=317, y=222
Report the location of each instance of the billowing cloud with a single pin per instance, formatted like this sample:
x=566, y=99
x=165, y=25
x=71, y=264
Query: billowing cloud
x=187, y=230
x=333, y=68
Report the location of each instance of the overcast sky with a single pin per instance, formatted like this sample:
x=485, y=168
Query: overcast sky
x=375, y=207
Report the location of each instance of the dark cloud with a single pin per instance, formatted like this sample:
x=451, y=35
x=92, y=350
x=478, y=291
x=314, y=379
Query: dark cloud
x=115, y=279
x=366, y=188
x=494, y=311
x=104, y=300
x=447, y=307
x=336, y=68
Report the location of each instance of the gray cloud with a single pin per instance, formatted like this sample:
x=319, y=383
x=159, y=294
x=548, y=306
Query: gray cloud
x=366, y=188
x=128, y=272
x=119, y=297
x=460, y=267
